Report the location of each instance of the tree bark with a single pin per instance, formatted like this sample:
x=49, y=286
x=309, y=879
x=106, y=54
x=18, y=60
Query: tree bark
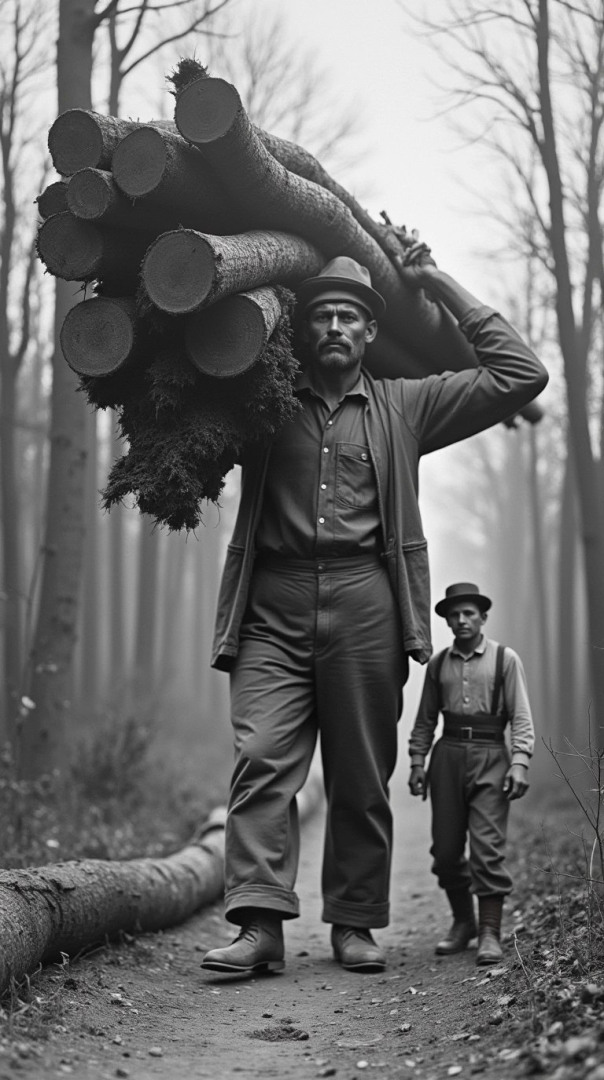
x=64, y=908
x=99, y=336
x=209, y=114
x=185, y=270
x=67, y=907
x=230, y=336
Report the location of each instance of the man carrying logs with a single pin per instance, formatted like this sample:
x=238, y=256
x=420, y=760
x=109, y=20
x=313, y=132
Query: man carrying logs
x=325, y=595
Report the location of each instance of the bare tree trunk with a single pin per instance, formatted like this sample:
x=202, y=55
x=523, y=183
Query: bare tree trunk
x=539, y=570
x=51, y=663
x=90, y=607
x=11, y=621
x=568, y=724
x=574, y=351
x=147, y=604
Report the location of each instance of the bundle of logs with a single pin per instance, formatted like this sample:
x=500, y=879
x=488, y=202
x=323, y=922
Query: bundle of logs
x=191, y=237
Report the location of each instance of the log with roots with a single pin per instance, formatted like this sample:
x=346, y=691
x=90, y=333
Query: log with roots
x=77, y=250
x=186, y=270
x=209, y=114
x=161, y=169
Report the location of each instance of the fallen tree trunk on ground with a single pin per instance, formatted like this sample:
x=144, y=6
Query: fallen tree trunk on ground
x=67, y=907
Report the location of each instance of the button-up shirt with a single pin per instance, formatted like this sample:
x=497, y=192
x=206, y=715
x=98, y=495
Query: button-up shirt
x=466, y=688
x=320, y=496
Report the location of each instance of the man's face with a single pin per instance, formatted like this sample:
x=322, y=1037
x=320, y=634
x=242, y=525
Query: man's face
x=466, y=620
x=337, y=332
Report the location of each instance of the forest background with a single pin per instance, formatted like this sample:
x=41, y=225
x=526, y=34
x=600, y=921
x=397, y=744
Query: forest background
x=480, y=128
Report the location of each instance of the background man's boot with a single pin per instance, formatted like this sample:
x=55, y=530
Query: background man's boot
x=489, y=929
x=464, y=923
x=258, y=947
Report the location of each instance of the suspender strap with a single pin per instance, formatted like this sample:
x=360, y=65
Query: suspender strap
x=438, y=664
x=498, y=684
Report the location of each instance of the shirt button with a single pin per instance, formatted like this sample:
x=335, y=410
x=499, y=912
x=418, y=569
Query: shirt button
x=321, y=567
x=363, y=457
x=323, y=487
x=321, y=521
x=466, y=700
x=325, y=449
x=329, y=423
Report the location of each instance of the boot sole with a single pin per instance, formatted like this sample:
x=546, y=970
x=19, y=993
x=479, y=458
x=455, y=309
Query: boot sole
x=443, y=951
x=240, y=969
x=362, y=965
x=486, y=961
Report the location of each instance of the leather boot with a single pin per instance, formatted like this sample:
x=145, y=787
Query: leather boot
x=355, y=949
x=258, y=947
x=489, y=930
x=464, y=926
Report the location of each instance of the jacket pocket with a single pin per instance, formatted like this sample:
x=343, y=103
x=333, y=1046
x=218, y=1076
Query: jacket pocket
x=355, y=482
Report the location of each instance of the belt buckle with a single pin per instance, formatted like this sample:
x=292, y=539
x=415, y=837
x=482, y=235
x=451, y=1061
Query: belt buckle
x=466, y=733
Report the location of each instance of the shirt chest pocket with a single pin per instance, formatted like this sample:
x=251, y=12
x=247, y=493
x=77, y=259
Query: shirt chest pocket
x=355, y=481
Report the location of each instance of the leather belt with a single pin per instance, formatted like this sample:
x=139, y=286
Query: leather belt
x=472, y=733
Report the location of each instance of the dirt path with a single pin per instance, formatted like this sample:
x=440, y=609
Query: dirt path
x=146, y=1010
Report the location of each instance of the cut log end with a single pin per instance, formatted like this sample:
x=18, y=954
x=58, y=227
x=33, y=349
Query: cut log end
x=229, y=337
x=75, y=142
x=53, y=200
x=89, y=194
x=206, y=110
x=70, y=249
x=97, y=336
x=178, y=271
x=139, y=162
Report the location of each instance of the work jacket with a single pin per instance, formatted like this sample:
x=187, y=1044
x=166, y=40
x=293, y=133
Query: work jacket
x=404, y=418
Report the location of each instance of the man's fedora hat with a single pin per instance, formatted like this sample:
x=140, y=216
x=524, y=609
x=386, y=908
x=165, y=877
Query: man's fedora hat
x=342, y=278
x=462, y=590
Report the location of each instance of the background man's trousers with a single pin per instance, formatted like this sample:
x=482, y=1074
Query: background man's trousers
x=320, y=651
x=466, y=789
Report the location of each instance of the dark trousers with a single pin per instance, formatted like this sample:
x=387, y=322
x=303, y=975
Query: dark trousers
x=320, y=652
x=466, y=789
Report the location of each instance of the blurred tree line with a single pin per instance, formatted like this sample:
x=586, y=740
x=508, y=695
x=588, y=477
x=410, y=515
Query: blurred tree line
x=97, y=608
x=102, y=610
x=525, y=80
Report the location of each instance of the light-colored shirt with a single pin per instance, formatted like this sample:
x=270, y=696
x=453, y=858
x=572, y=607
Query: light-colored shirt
x=320, y=496
x=466, y=688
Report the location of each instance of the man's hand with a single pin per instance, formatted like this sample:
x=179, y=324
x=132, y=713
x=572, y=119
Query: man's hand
x=516, y=784
x=417, y=781
x=414, y=264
